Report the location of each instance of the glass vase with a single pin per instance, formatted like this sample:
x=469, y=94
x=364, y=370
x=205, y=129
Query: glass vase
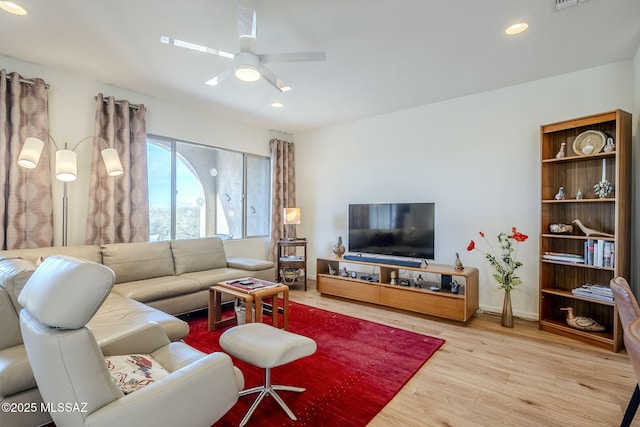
x=507, y=311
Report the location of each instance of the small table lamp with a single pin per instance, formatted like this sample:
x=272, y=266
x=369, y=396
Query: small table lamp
x=291, y=219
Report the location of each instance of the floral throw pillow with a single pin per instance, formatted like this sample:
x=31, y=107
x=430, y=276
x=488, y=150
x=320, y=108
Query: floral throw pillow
x=134, y=371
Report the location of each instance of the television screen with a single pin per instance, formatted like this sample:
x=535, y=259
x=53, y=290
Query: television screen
x=395, y=229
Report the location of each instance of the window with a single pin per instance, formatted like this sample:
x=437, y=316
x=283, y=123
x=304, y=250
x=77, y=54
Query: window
x=197, y=190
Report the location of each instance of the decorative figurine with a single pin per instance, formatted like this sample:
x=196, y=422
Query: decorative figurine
x=590, y=231
x=609, y=146
x=561, y=153
x=561, y=195
x=332, y=271
x=603, y=188
x=393, y=278
x=581, y=322
x=419, y=281
x=344, y=273
x=579, y=194
x=455, y=286
x=459, y=265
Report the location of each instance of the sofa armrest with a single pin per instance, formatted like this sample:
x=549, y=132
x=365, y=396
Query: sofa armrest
x=249, y=264
x=14, y=273
x=195, y=395
x=144, y=338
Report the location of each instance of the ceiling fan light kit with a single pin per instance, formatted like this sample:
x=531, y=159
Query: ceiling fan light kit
x=248, y=65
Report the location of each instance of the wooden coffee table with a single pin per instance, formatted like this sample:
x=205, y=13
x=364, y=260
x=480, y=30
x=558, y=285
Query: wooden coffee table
x=257, y=296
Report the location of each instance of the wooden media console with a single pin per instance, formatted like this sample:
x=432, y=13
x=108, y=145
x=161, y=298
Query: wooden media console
x=375, y=286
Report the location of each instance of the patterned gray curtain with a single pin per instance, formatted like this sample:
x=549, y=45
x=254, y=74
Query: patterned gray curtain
x=26, y=208
x=284, y=189
x=119, y=206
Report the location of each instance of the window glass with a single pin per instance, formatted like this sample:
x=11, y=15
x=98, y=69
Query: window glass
x=258, y=195
x=210, y=187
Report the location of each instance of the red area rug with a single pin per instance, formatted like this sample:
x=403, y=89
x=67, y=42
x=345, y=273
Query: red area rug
x=358, y=368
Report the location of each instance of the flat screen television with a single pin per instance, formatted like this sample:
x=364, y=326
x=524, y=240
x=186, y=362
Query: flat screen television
x=393, y=229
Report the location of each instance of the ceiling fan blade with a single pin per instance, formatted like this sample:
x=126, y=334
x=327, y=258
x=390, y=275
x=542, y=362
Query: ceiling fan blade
x=293, y=57
x=270, y=76
x=246, y=22
x=219, y=78
x=196, y=47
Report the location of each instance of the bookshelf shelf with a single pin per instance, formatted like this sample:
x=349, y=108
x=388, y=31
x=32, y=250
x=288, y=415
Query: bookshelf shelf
x=610, y=215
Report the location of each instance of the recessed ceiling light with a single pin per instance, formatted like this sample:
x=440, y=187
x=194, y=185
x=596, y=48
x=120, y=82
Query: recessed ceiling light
x=516, y=28
x=13, y=8
x=277, y=105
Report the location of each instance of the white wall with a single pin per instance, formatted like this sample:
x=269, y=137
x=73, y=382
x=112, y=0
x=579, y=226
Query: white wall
x=71, y=114
x=476, y=157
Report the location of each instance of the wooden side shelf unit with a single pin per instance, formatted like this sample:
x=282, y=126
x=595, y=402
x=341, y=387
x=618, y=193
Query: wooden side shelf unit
x=611, y=214
x=378, y=290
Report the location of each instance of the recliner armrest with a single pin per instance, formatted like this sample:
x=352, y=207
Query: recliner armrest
x=141, y=339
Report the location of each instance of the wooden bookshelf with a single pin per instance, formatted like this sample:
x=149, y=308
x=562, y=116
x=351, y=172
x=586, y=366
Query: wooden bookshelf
x=611, y=214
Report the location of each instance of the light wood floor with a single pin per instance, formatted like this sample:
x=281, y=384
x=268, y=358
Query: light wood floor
x=487, y=375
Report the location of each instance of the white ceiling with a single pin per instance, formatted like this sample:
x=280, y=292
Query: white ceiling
x=382, y=55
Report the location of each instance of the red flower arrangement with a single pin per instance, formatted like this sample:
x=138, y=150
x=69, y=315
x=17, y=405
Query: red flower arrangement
x=505, y=263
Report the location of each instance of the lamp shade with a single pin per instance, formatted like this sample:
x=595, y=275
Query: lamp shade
x=30, y=153
x=112, y=162
x=66, y=165
x=291, y=216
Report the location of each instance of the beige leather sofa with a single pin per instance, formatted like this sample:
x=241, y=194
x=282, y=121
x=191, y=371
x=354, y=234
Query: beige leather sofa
x=154, y=281
x=181, y=386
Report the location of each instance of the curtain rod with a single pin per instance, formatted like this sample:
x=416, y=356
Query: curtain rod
x=26, y=81
x=120, y=104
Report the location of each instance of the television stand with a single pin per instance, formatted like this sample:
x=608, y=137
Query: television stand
x=431, y=298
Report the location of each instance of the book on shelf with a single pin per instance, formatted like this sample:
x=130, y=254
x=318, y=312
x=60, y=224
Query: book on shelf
x=599, y=253
x=594, y=291
x=563, y=257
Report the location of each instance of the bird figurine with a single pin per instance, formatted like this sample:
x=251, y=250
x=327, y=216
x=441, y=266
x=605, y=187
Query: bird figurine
x=459, y=265
x=581, y=322
x=561, y=153
x=590, y=231
x=561, y=195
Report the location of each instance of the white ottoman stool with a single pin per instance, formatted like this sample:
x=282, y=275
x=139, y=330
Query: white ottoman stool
x=267, y=347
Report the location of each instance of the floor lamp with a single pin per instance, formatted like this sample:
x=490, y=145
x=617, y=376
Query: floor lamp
x=66, y=169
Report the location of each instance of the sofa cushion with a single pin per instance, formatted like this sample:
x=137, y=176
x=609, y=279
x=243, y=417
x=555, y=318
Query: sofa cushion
x=157, y=288
x=119, y=313
x=198, y=254
x=15, y=371
x=134, y=371
x=209, y=278
x=138, y=261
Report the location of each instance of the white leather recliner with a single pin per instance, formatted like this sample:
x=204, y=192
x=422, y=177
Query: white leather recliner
x=69, y=367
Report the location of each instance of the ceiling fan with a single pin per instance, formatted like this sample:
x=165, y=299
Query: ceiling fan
x=248, y=65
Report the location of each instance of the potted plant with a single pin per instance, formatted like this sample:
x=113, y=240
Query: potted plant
x=505, y=264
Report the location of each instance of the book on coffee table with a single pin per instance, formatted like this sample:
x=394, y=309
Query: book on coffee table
x=248, y=284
